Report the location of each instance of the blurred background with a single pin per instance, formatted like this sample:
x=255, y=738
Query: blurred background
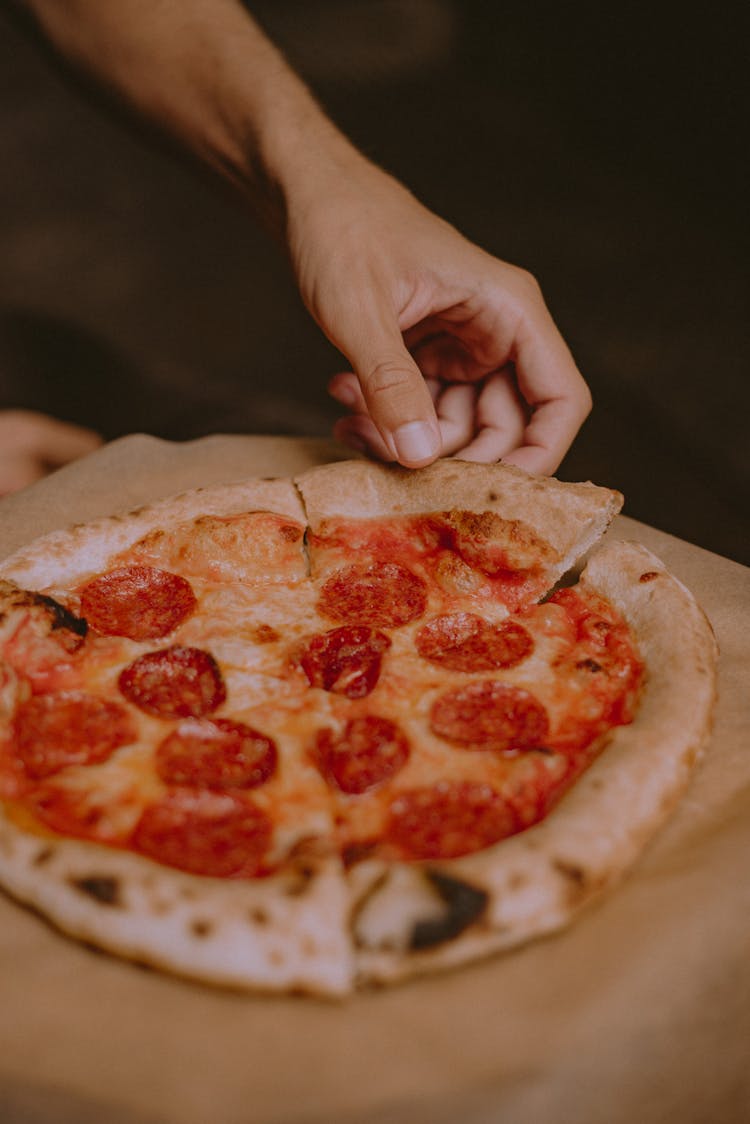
x=596, y=145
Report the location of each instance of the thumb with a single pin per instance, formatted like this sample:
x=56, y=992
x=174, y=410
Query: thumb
x=397, y=398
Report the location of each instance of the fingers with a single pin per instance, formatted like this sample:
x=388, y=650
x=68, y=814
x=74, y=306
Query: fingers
x=345, y=388
x=401, y=407
x=549, y=435
x=18, y=472
x=455, y=407
x=393, y=389
x=485, y=408
x=553, y=387
x=500, y=419
x=456, y=410
x=52, y=441
x=32, y=444
x=448, y=358
x=359, y=432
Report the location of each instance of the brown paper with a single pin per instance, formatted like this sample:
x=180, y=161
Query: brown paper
x=639, y=1012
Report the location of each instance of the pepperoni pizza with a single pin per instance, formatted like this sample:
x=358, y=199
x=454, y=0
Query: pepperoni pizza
x=314, y=734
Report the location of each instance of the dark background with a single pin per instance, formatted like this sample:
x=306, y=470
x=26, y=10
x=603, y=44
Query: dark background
x=599, y=149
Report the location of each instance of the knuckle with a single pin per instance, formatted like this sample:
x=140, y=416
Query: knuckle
x=387, y=378
x=528, y=286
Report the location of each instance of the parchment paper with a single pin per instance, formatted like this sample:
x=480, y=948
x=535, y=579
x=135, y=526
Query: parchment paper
x=638, y=1013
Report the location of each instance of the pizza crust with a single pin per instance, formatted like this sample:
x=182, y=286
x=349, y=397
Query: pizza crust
x=535, y=882
x=56, y=559
x=282, y=933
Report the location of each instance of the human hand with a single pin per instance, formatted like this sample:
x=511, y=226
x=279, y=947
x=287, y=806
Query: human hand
x=452, y=350
x=33, y=444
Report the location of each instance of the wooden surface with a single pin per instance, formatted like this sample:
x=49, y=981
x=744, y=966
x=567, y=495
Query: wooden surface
x=641, y=1011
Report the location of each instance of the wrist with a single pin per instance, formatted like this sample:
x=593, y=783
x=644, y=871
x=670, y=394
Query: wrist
x=301, y=157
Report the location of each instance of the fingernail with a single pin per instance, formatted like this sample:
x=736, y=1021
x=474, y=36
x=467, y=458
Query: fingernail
x=416, y=441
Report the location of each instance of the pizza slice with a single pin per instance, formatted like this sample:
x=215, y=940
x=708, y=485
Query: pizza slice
x=156, y=796
x=447, y=909
x=483, y=533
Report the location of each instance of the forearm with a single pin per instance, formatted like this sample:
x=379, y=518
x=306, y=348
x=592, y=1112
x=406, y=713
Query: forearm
x=416, y=309
x=203, y=71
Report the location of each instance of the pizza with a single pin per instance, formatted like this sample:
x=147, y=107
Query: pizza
x=320, y=733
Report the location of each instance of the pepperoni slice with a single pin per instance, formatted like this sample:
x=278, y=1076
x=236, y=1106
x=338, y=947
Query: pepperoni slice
x=69, y=728
x=383, y=594
x=216, y=753
x=448, y=819
x=368, y=752
x=216, y=834
x=466, y=642
x=490, y=715
x=174, y=683
x=139, y=602
x=67, y=812
x=82, y=812
x=345, y=660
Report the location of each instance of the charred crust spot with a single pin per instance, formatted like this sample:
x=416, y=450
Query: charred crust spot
x=264, y=634
x=649, y=576
x=578, y=882
x=588, y=665
x=374, y=888
x=477, y=524
x=62, y=617
x=302, y=875
x=465, y=905
x=259, y=916
x=358, y=851
x=574, y=873
x=492, y=497
x=309, y=849
x=103, y=888
x=43, y=856
x=201, y=928
x=524, y=549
